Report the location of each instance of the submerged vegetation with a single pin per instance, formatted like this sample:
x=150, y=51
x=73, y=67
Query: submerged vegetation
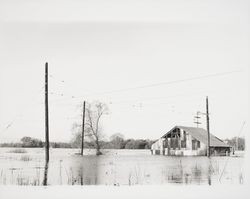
x=117, y=167
x=17, y=151
x=25, y=158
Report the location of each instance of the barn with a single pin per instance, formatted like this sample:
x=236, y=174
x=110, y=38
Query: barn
x=188, y=141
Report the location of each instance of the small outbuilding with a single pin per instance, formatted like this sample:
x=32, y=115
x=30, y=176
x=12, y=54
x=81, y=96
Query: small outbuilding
x=189, y=141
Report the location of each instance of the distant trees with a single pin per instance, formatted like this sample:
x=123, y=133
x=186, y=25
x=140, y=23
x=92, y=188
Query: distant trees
x=61, y=145
x=117, y=141
x=16, y=144
x=138, y=144
x=34, y=142
x=25, y=142
x=241, y=143
x=31, y=142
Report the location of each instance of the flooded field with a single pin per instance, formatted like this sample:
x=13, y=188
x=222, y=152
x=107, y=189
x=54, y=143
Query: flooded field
x=115, y=167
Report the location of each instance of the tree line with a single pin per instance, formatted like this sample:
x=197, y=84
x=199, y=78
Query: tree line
x=233, y=143
x=116, y=141
x=30, y=142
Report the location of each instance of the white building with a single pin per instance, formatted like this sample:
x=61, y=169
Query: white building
x=189, y=141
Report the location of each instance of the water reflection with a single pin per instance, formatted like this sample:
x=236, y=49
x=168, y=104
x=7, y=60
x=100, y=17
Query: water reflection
x=94, y=171
x=210, y=172
x=84, y=171
x=197, y=174
x=45, y=177
x=192, y=173
x=130, y=168
x=175, y=173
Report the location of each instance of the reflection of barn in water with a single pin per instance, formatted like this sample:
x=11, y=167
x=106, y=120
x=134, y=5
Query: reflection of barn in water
x=189, y=141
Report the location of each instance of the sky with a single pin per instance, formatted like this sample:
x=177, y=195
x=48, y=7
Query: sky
x=152, y=62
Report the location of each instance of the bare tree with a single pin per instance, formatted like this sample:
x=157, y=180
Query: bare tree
x=94, y=113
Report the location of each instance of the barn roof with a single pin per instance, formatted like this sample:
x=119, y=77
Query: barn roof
x=201, y=135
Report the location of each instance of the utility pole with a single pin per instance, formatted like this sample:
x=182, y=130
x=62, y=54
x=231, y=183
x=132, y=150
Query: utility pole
x=46, y=115
x=83, y=125
x=208, y=130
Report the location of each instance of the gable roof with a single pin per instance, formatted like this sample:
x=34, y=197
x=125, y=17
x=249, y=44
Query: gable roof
x=201, y=135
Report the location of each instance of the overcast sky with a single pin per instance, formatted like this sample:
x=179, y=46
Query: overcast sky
x=138, y=56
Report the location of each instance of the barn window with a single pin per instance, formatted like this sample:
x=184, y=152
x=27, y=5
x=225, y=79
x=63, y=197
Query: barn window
x=165, y=143
x=174, y=143
x=183, y=141
x=183, y=144
x=198, y=144
x=193, y=145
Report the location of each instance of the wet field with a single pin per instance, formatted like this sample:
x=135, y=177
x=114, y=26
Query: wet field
x=115, y=167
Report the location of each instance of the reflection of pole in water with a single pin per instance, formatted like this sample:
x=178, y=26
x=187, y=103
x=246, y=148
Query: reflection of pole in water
x=210, y=170
x=181, y=172
x=241, y=178
x=81, y=174
x=197, y=174
x=60, y=172
x=45, y=177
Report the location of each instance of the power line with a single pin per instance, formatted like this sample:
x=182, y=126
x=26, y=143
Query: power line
x=171, y=82
x=133, y=88
x=161, y=98
x=167, y=100
x=158, y=84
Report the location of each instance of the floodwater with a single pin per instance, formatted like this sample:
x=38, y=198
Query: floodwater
x=115, y=167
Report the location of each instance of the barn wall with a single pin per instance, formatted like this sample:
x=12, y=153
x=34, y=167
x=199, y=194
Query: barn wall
x=162, y=147
x=188, y=151
x=189, y=142
x=157, y=147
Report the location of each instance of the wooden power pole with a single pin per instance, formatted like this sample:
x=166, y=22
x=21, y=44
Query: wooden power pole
x=208, y=130
x=46, y=115
x=83, y=125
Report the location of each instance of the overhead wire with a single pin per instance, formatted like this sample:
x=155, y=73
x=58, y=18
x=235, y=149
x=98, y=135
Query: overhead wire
x=130, y=89
x=154, y=84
